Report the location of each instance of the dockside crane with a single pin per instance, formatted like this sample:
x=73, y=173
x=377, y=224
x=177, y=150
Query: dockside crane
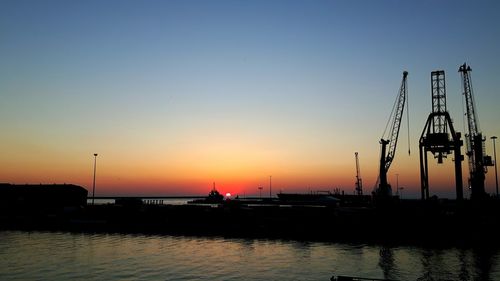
x=478, y=160
x=359, y=182
x=387, y=154
x=439, y=137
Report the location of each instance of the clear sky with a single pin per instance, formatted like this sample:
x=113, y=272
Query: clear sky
x=175, y=95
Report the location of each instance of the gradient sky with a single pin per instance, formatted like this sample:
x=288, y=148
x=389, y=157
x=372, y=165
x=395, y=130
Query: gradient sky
x=175, y=95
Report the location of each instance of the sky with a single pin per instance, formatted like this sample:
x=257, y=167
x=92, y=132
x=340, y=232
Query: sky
x=177, y=95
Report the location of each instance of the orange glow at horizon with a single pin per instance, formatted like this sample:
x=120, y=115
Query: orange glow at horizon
x=238, y=167
x=239, y=173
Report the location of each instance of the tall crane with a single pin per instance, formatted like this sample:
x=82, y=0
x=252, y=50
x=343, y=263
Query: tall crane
x=478, y=160
x=439, y=137
x=359, y=182
x=387, y=155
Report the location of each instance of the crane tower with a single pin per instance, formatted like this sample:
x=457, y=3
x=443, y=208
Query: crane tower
x=435, y=137
x=359, y=182
x=478, y=160
x=387, y=155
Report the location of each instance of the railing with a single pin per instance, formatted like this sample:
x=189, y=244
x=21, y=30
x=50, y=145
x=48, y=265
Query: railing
x=351, y=278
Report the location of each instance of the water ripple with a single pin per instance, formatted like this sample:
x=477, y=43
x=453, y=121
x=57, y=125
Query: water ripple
x=64, y=256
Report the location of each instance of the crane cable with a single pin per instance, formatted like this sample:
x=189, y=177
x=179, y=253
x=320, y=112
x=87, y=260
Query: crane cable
x=390, y=118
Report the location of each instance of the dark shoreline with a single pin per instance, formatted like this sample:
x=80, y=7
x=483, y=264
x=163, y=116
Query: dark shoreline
x=407, y=222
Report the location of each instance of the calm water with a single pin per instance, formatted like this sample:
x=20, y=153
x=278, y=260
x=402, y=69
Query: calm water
x=66, y=256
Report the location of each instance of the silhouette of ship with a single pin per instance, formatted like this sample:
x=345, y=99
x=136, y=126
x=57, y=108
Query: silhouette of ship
x=214, y=197
x=325, y=198
x=316, y=198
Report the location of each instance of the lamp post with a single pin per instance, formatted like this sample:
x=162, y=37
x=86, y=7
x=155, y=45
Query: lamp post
x=494, y=138
x=93, y=186
x=260, y=191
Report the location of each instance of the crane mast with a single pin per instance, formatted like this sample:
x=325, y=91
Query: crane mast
x=387, y=154
x=478, y=160
x=359, y=182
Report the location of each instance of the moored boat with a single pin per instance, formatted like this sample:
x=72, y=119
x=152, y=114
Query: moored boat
x=214, y=197
x=318, y=198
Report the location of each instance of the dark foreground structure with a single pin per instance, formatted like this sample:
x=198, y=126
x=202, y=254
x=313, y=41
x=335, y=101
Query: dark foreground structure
x=44, y=196
x=36, y=205
x=438, y=222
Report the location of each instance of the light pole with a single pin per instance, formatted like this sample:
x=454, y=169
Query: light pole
x=260, y=191
x=494, y=138
x=93, y=186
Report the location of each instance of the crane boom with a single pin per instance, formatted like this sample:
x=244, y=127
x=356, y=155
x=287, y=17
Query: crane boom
x=472, y=120
x=387, y=155
x=478, y=161
x=394, y=133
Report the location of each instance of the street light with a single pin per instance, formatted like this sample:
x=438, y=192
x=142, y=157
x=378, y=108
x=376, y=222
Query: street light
x=494, y=138
x=260, y=191
x=93, y=187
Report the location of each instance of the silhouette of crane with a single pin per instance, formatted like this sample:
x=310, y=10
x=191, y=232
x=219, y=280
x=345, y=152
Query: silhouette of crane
x=478, y=160
x=436, y=139
x=387, y=155
x=359, y=182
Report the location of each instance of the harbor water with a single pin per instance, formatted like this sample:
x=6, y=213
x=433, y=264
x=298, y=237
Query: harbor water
x=85, y=256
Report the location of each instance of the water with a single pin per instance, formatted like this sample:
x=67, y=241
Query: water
x=67, y=256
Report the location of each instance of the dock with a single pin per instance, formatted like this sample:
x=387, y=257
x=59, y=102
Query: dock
x=404, y=222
